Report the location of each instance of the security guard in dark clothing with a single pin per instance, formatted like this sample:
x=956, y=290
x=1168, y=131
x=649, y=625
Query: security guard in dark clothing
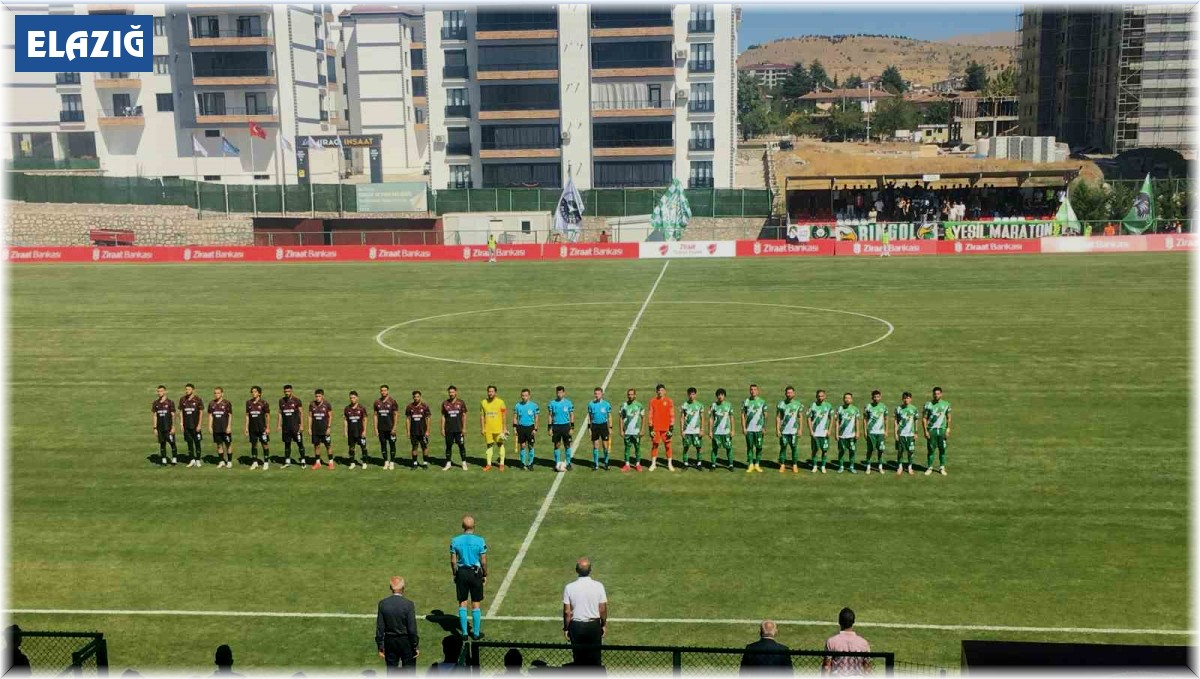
x=396, y=630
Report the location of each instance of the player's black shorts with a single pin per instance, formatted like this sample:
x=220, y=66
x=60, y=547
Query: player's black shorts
x=600, y=432
x=353, y=439
x=296, y=437
x=560, y=433
x=418, y=441
x=165, y=436
x=453, y=437
x=468, y=583
x=193, y=433
x=321, y=440
x=260, y=438
x=222, y=439
x=525, y=435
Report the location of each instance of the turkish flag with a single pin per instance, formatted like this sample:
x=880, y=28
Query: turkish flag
x=256, y=130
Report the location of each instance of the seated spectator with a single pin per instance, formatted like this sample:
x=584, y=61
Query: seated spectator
x=451, y=649
x=764, y=655
x=847, y=641
x=224, y=662
x=513, y=661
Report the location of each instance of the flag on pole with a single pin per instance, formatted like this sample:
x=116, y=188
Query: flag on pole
x=1065, y=221
x=229, y=149
x=1141, y=214
x=568, y=216
x=286, y=144
x=312, y=143
x=672, y=213
x=197, y=148
x=256, y=130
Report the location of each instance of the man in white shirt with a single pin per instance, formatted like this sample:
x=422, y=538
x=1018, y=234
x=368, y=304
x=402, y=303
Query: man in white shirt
x=585, y=615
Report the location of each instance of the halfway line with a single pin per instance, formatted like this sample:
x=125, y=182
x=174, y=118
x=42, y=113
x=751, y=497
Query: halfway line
x=545, y=508
x=657, y=621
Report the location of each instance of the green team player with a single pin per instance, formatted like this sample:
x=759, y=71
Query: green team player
x=906, y=432
x=819, y=415
x=633, y=427
x=692, y=414
x=876, y=417
x=754, y=412
x=848, y=428
x=935, y=422
x=787, y=427
x=720, y=429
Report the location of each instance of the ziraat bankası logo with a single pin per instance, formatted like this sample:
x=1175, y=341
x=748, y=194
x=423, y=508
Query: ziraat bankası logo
x=83, y=43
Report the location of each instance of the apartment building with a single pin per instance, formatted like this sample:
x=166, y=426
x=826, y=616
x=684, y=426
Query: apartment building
x=1110, y=79
x=611, y=96
x=384, y=56
x=217, y=68
x=770, y=75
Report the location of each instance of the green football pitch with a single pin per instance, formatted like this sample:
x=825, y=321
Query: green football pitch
x=1063, y=517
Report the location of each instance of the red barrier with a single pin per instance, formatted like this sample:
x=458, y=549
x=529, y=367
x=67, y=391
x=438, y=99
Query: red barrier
x=779, y=248
x=590, y=251
x=989, y=247
x=897, y=248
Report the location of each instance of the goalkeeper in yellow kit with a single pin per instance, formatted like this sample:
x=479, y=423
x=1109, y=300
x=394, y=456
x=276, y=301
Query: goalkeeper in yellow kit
x=492, y=422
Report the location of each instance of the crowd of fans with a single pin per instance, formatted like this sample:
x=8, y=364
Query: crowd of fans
x=919, y=202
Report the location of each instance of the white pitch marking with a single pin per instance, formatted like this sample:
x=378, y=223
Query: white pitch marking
x=379, y=337
x=656, y=621
x=545, y=508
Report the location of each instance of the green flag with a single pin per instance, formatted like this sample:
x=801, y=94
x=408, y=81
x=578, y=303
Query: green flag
x=1065, y=221
x=1141, y=214
x=672, y=213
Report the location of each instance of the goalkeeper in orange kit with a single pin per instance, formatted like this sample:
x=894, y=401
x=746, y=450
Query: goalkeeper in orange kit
x=662, y=425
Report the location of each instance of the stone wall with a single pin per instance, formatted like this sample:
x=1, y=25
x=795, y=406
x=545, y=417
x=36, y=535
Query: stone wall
x=69, y=223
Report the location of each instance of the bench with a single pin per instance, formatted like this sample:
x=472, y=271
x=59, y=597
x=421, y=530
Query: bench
x=110, y=237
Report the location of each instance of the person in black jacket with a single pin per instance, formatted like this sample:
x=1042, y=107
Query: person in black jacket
x=759, y=656
x=396, y=630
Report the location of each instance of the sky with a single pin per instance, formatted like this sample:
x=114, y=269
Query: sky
x=764, y=23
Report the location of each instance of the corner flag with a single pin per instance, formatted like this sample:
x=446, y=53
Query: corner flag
x=1141, y=214
x=568, y=215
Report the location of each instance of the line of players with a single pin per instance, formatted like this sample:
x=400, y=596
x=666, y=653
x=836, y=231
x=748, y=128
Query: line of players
x=716, y=422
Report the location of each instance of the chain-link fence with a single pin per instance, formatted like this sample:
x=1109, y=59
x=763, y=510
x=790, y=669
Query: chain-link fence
x=496, y=657
x=55, y=654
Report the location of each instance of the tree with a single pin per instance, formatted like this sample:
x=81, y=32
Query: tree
x=817, y=74
x=976, y=77
x=749, y=94
x=853, y=82
x=894, y=114
x=846, y=121
x=797, y=83
x=892, y=81
x=937, y=113
x=1004, y=84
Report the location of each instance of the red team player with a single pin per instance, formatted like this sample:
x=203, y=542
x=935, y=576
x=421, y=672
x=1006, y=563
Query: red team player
x=258, y=427
x=416, y=424
x=355, y=429
x=163, y=411
x=291, y=425
x=319, y=416
x=220, y=415
x=662, y=425
x=384, y=419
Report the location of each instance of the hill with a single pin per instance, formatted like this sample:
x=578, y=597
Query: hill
x=1004, y=39
x=920, y=61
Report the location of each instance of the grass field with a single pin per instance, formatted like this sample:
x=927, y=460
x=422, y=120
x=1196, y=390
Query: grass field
x=1065, y=507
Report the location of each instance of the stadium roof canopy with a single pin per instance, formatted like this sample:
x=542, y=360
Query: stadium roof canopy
x=1002, y=178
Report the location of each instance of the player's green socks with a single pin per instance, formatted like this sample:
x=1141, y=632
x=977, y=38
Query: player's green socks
x=929, y=460
x=462, y=620
x=477, y=621
x=942, y=458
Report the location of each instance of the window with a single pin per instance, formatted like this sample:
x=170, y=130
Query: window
x=418, y=86
x=418, y=59
x=701, y=176
x=519, y=137
x=256, y=104
x=460, y=177
x=623, y=135
x=205, y=27
x=72, y=102
x=526, y=175
x=458, y=141
x=456, y=64
x=636, y=173
x=701, y=19
x=160, y=26
x=454, y=25
x=655, y=95
x=702, y=58
x=166, y=102
x=212, y=134
x=632, y=54
x=212, y=177
x=419, y=116
x=526, y=226
x=211, y=104
x=701, y=98
x=518, y=97
x=249, y=27
x=162, y=65
x=457, y=105
x=518, y=57
x=258, y=177
x=702, y=137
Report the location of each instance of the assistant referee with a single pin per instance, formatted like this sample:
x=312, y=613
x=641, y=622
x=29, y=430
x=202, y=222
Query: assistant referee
x=585, y=615
x=468, y=563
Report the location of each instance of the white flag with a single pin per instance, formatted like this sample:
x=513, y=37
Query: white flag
x=197, y=149
x=568, y=216
x=312, y=143
x=286, y=144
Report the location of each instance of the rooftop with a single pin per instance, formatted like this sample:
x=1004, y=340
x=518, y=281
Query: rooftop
x=857, y=93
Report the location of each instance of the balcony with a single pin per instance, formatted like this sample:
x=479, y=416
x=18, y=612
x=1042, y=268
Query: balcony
x=458, y=111
x=454, y=32
x=516, y=27
x=628, y=68
x=702, y=144
x=702, y=66
x=701, y=26
x=518, y=110
x=70, y=116
x=547, y=148
x=123, y=81
x=66, y=79
x=130, y=116
x=458, y=149
x=231, y=38
x=460, y=72
x=702, y=106
x=226, y=115
x=208, y=77
x=518, y=71
x=609, y=24
x=632, y=109
x=633, y=147
x=700, y=183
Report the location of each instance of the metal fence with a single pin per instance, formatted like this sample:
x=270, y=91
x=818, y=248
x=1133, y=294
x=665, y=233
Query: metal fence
x=65, y=653
x=343, y=198
x=490, y=657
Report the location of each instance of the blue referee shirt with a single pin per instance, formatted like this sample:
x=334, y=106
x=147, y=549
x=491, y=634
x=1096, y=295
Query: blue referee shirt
x=526, y=412
x=468, y=547
x=560, y=410
x=598, y=411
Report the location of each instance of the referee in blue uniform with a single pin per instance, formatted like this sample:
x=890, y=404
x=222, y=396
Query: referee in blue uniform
x=468, y=562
